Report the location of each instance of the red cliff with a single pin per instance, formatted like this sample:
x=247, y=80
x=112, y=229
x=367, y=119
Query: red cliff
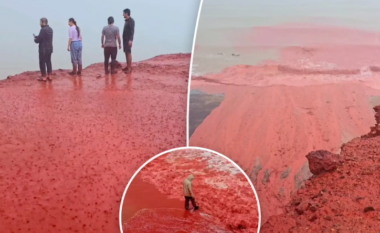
x=342, y=200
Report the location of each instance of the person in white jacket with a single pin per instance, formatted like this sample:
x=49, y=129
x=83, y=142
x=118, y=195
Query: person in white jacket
x=188, y=193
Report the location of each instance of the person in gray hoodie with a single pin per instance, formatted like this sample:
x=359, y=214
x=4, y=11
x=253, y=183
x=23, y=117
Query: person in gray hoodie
x=188, y=193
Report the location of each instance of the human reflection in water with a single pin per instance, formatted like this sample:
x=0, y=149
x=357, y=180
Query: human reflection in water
x=113, y=82
x=129, y=81
x=77, y=82
x=46, y=86
x=46, y=96
x=50, y=85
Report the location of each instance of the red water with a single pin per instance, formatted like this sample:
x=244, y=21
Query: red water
x=146, y=209
x=315, y=96
x=143, y=195
x=226, y=198
x=68, y=148
x=172, y=221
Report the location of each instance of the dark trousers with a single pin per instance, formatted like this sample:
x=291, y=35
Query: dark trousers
x=187, y=199
x=45, y=63
x=110, y=52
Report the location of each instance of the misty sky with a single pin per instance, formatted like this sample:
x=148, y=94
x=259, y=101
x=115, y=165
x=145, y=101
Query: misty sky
x=162, y=27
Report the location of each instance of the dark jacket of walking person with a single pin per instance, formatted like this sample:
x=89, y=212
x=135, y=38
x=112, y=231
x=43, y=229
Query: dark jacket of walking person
x=188, y=192
x=128, y=34
x=45, y=49
x=75, y=47
x=110, y=34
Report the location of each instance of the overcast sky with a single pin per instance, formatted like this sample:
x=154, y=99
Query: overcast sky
x=162, y=27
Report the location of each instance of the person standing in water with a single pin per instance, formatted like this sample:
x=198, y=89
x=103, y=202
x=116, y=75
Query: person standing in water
x=128, y=33
x=188, y=192
x=110, y=33
x=75, y=47
x=45, y=49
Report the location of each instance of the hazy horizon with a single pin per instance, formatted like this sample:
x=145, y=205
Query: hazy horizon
x=223, y=22
x=161, y=28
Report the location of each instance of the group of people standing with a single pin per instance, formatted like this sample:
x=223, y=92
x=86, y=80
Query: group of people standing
x=109, y=39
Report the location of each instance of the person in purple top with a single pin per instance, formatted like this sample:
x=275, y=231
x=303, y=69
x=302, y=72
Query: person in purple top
x=75, y=47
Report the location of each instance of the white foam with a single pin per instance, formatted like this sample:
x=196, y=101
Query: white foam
x=214, y=161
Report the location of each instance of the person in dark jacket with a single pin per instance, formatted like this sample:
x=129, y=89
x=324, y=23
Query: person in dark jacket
x=128, y=33
x=45, y=49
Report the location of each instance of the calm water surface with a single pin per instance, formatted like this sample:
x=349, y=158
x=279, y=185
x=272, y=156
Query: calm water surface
x=222, y=20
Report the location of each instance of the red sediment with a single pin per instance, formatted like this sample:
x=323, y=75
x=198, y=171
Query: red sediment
x=315, y=97
x=344, y=200
x=69, y=147
x=221, y=191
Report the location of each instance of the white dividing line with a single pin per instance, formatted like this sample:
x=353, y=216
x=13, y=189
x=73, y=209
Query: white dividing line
x=190, y=71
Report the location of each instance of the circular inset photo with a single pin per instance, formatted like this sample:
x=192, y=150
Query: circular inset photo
x=189, y=189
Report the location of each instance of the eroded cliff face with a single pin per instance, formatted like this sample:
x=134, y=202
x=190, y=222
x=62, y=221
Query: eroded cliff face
x=344, y=199
x=267, y=124
x=69, y=147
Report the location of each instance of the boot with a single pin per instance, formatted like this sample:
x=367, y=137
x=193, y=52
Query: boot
x=74, y=72
x=79, y=69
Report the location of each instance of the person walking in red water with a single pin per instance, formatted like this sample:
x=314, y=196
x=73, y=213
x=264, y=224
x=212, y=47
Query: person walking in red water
x=45, y=49
x=128, y=33
x=188, y=193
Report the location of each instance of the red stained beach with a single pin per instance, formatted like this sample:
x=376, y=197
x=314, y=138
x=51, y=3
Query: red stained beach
x=69, y=147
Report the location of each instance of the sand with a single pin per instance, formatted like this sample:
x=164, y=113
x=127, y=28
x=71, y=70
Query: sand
x=68, y=148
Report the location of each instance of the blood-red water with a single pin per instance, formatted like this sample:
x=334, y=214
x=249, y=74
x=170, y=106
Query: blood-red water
x=143, y=195
x=145, y=209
